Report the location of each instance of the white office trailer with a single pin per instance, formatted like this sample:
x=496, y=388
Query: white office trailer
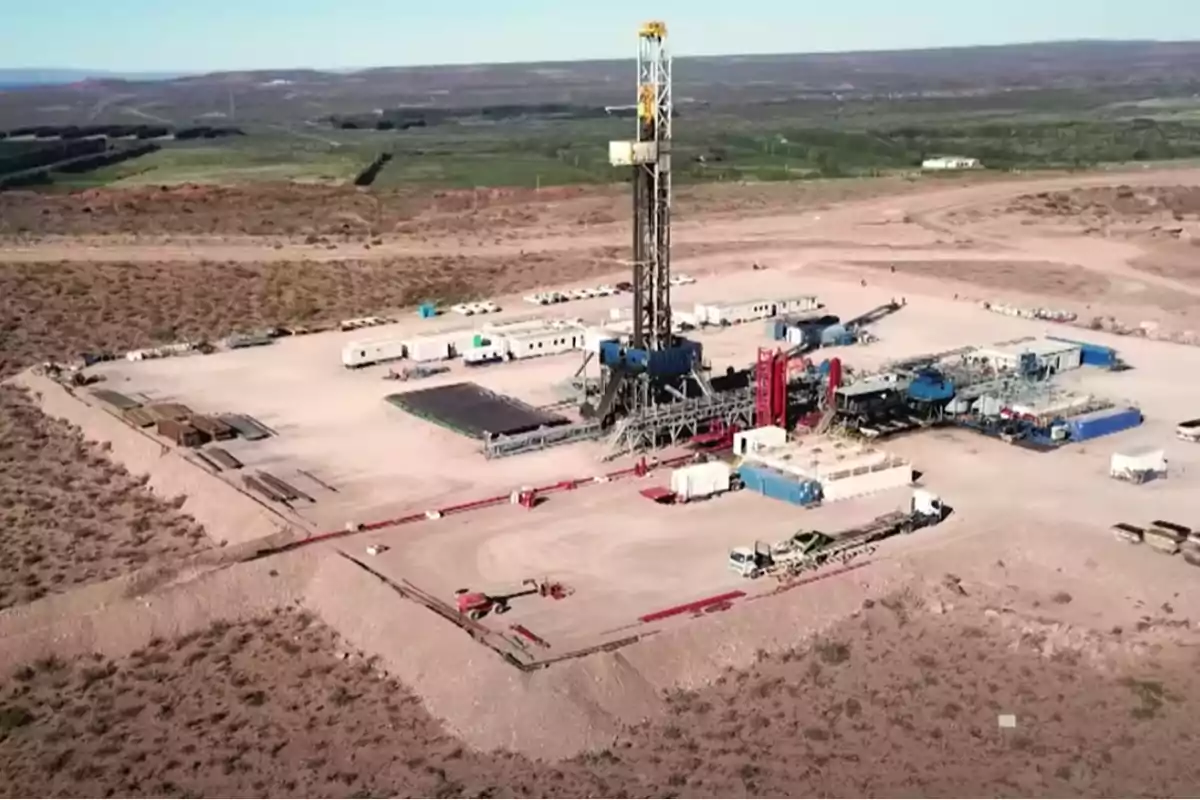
x=421, y=350
x=941, y=163
x=734, y=313
x=365, y=353
x=756, y=439
x=700, y=480
x=1050, y=354
x=440, y=345
x=545, y=342
x=792, y=305
x=750, y=310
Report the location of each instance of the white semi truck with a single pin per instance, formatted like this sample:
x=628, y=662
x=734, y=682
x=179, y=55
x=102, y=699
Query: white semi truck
x=813, y=549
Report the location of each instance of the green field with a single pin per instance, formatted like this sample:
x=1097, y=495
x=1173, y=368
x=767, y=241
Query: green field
x=760, y=142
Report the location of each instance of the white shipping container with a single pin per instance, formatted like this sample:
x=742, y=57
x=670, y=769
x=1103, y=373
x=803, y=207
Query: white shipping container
x=700, y=480
x=437, y=349
x=361, y=354
x=1134, y=461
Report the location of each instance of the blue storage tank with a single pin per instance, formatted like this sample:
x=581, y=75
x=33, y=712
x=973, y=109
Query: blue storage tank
x=931, y=387
x=610, y=352
x=834, y=335
x=1103, y=423
x=780, y=486
x=677, y=360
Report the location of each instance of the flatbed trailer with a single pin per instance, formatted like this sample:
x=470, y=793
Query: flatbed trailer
x=809, y=550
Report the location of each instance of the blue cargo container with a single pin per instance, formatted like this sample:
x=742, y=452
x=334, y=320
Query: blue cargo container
x=427, y=311
x=780, y=486
x=1103, y=423
x=1093, y=355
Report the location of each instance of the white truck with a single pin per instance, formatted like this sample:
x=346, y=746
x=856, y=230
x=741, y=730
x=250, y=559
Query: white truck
x=1188, y=430
x=808, y=550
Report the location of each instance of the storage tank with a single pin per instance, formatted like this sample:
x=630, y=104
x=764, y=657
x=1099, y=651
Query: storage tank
x=834, y=335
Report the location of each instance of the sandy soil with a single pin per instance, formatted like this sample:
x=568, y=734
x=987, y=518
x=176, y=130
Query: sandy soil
x=289, y=211
x=58, y=310
x=69, y=515
x=902, y=700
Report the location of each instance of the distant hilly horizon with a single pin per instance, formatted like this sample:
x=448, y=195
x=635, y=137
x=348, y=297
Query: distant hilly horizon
x=19, y=77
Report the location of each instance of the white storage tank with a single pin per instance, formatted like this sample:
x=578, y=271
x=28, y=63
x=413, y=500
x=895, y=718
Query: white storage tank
x=361, y=354
x=700, y=480
x=544, y=343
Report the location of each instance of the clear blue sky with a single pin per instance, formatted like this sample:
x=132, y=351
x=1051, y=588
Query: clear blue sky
x=194, y=35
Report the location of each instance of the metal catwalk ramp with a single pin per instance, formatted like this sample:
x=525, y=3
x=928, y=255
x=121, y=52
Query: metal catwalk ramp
x=673, y=421
x=541, y=439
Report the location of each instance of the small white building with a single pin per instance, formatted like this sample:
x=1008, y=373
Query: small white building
x=951, y=163
x=1051, y=355
x=844, y=469
x=757, y=439
x=546, y=342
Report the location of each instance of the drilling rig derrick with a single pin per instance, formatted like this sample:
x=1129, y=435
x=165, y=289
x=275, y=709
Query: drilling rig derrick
x=654, y=386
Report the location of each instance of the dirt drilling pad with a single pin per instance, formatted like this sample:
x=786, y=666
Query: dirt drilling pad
x=1037, y=521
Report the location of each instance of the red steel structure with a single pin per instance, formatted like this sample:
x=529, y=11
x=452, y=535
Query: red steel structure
x=770, y=388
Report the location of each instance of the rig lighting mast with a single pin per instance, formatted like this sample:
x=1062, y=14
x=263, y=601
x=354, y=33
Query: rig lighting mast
x=650, y=156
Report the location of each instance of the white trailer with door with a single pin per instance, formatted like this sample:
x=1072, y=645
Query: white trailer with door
x=378, y=351
x=545, y=342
